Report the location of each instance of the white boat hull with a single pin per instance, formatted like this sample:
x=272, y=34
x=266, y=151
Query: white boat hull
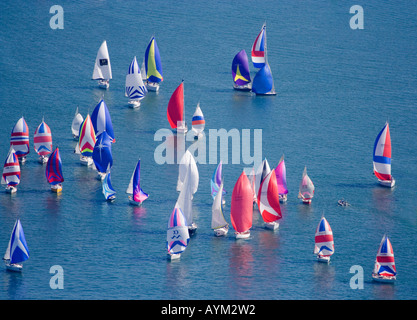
x=247, y=87
x=387, y=183
x=43, y=159
x=174, y=256
x=134, y=103
x=282, y=198
x=87, y=161
x=306, y=201
x=192, y=229
x=56, y=188
x=104, y=84
x=243, y=235
x=14, y=267
x=22, y=159
x=101, y=176
x=11, y=189
x=221, y=232
x=323, y=259
x=385, y=279
x=271, y=225
x=152, y=86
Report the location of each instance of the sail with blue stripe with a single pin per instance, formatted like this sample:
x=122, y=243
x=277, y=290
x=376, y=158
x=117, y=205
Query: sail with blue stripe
x=153, y=65
x=101, y=120
x=134, y=87
x=17, y=251
x=177, y=232
x=20, y=138
x=53, y=170
x=108, y=190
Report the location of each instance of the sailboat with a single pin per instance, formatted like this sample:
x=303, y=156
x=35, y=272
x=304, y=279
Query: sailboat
x=263, y=170
x=102, y=67
x=241, y=207
x=43, y=141
x=11, y=172
x=198, y=123
x=87, y=141
x=54, y=171
x=76, y=123
x=216, y=181
x=17, y=250
x=263, y=82
x=306, y=190
x=240, y=72
x=102, y=154
x=218, y=222
x=185, y=199
x=281, y=174
x=107, y=188
x=177, y=234
x=101, y=120
x=153, y=66
x=188, y=164
x=20, y=139
x=268, y=201
x=324, y=244
x=135, y=90
x=384, y=268
x=382, y=158
x=137, y=195
x=252, y=178
x=175, y=110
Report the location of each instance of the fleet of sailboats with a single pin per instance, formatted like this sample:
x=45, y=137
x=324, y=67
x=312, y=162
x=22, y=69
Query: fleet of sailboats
x=102, y=67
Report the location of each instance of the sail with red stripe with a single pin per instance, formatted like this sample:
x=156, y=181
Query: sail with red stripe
x=20, y=138
x=268, y=198
x=198, y=123
x=258, y=52
x=241, y=208
x=382, y=155
x=42, y=139
x=87, y=137
x=385, y=263
x=11, y=169
x=324, y=244
x=175, y=111
x=54, y=168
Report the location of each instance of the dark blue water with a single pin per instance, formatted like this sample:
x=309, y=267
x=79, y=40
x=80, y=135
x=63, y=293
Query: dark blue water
x=336, y=88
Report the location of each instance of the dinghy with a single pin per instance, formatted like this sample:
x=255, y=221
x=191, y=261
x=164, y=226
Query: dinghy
x=135, y=90
x=108, y=191
x=384, y=268
x=306, y=190
x=382, y=158
x=240, y=72
x=176, y=110
x=101, y=120
x=20, y=139
x=102, y=154
x=54, y=171
x=42, y=141
x=87, y=141
x=17, y=250
x=263, y=82
x=76, y=124
x=102, y=67
x=11, y=172
x=241, y=207
x=198, y=123
x=137, y=195
x=281, y=174
x=324, y=244
x=187, y=163
x=268, y=201
x=216, y=181
x=218, y=222
x=153, y=66
x=177, y=234
x=185, y=199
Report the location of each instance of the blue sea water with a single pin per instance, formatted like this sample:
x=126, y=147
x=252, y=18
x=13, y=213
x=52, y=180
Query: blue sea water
x=336, y=88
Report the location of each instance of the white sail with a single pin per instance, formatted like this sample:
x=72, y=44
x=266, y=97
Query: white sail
x=134, y=87
x=76, y=123
x=185, y=198
x=306, y=190
x=198, y=122
x=102, y=67
x=217, y=217
x=187, y=163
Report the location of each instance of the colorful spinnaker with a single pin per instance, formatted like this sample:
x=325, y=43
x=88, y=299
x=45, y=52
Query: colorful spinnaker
x=241, y=207
x=135, y=90
x=216, y=181
x=138, y=196
x=17, y=250
x=102, y=154
x=263, y=170
x=102, y=68
x=153, y=66
x=20, y=139
x=384, y=268
x=258, y=52
x=107, y=188
x=306, y=189
x=87, y=141
x=198, y=123
x=42, y=140
x=323, y=241
x=177, y=234
x=175, y=110
x=382, y=158
x=101, y=120
x=268, y=201
x=53, y=171
x=240, y=72
x=281, y=174
x=11, y=172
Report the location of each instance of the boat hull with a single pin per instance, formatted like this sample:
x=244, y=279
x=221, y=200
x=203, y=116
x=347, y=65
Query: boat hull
x=324, y=259
x=43, y=159
x=247, y=87
x=282, y=198
x=387, y=183
x=152, y=86
x=271, y=225
x=306, y=201
x=11, y=189
x=103, y=84
x=134, y=103
x=192, y=229
x=173, y=256
x=56, y=188
x=243, y=235
x=221, y=232
x=134, y=203
x=87, y=161
x=385, y=279
x=15, y=267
